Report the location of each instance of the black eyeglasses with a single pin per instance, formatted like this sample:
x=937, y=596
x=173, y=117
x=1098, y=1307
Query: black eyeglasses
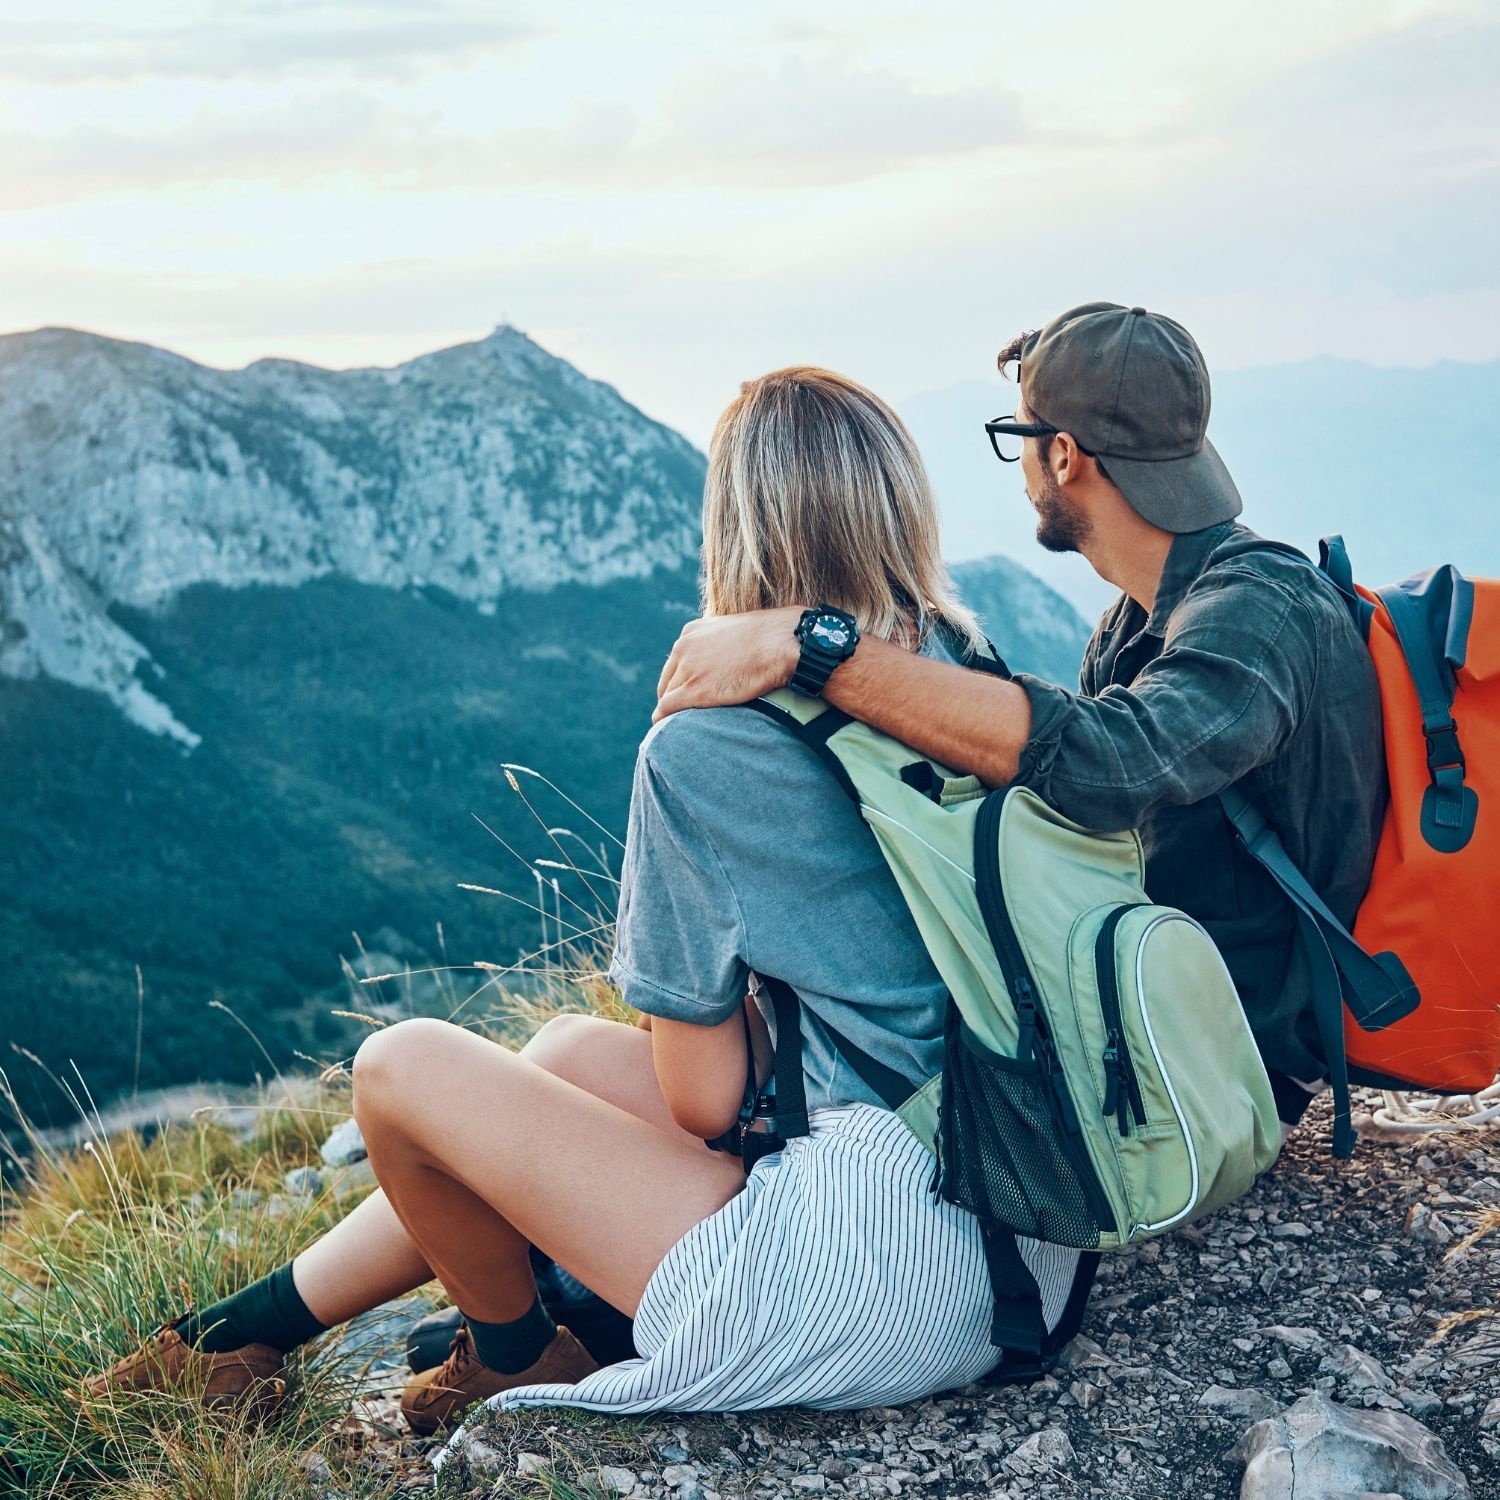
x=1006, y=434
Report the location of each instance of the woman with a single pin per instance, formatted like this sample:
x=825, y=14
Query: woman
x=829, y=1276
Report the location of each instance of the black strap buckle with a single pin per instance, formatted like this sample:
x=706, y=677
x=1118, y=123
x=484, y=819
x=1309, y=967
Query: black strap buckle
x=1443, y=748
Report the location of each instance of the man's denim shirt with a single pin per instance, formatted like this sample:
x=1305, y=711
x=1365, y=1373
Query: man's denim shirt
x=1248, y=671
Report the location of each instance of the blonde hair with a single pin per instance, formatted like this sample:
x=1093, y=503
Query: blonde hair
x=816, y=494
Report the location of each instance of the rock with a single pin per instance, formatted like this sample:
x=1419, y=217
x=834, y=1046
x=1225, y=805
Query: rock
x=675, y=1453
x=809, y=1483
x=1083, y=1353
x=1423, y=1224
x=1242, y=1405
x=307, y=1181
x=482, y=1455
x=1048, y=1449
x=345, y=1146
x=315, y=1466
x=616, y=1481
x=1482, y=1350
x=1316, y=1449
x=529, y=1464
x=1278, y=1369
x=1420, y=1403
x=1291, y=1231
x=1356, y=1369
x=1489, y=1419
x=1301, y=1339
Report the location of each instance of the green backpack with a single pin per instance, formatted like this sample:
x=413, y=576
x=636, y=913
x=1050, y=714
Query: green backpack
x=1101, y=1085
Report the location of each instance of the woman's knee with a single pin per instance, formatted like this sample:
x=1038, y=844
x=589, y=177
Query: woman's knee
x=559, y=1043
x=389, y=1061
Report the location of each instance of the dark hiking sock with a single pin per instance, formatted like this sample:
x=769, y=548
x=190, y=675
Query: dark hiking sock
x=269, y=1311
x=513, y=1346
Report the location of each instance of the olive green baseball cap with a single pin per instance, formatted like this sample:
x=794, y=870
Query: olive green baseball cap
x=1132, y=388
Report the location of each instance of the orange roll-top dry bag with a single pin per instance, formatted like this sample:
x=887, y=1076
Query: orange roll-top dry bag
x=1434, y=894
x=1416, y=989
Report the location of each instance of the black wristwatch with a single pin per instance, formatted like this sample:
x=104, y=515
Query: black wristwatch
x=828, y=637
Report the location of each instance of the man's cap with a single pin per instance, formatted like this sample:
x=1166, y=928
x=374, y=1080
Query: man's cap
x=1132, y=388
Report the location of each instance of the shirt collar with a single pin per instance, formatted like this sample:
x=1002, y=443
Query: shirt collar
x=1185, y=560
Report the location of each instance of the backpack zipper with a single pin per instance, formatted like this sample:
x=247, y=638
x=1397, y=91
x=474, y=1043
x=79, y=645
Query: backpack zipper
x=1122, y=1089
x=1033, y=1039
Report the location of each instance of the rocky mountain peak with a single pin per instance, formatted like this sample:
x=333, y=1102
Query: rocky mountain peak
x=128, y=474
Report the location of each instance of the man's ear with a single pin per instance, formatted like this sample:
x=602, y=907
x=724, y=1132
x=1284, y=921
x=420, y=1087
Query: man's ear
x=1066, y=458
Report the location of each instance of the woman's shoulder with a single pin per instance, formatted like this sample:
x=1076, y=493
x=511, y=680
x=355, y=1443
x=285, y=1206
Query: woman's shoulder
x=698, y=741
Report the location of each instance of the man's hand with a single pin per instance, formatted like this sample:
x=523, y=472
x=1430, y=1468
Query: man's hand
x=729, y=659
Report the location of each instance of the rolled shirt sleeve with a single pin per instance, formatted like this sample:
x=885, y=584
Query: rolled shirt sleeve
x=1235, y=675
x=680, y=939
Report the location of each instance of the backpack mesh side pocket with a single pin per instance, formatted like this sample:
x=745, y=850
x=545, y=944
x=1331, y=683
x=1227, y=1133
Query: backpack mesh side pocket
x=1004, y=1151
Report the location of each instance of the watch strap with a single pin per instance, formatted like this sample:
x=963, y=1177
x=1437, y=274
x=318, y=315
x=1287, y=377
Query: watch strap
x=814, y=668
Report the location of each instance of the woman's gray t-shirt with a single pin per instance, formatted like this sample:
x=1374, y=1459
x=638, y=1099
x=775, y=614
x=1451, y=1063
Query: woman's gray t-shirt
x=744, y=854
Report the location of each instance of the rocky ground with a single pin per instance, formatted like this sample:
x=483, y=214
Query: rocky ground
x=1348, y=1279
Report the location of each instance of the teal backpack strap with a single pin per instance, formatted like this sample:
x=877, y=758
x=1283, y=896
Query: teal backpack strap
x=1334, y=564
x=1377, y=989
x=1449, y=808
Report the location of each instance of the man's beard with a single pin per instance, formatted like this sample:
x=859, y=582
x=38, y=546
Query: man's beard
x=1062, y=526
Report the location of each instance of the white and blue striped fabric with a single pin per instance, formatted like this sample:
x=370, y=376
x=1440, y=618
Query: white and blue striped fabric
x=834, y=1279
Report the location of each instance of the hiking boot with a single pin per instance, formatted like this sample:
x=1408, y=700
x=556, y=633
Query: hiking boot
x=434, y=1398
x=603, y=1330
x=250, y=1377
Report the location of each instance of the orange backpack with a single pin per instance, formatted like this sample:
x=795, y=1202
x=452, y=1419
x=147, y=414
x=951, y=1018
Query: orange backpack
x=1415, y=990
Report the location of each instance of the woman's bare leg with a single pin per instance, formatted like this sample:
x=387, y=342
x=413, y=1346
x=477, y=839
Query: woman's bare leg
x=365, y=1259
x=481, y=1152
x=368, y=1257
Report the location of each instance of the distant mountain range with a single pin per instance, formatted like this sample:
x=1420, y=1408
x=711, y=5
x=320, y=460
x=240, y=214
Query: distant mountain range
x=269, y=639
x=1398, y=460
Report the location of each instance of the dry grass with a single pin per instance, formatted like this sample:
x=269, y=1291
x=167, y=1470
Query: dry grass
x=101, y=1243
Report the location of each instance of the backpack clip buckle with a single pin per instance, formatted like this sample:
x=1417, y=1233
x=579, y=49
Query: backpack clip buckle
x=1443, y=749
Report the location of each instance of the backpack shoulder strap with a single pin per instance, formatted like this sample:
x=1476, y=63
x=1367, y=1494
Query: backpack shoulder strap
x=1377, y=989
x=1449, y=807
x=814, y=732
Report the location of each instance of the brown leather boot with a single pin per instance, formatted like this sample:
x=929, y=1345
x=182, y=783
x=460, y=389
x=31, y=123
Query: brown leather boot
x=434, y=1398
x=250, y=1378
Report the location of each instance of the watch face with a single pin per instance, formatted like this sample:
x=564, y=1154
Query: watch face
x=827, y=631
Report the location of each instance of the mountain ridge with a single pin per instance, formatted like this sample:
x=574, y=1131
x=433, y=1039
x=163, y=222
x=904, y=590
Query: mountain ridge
x=130, y=474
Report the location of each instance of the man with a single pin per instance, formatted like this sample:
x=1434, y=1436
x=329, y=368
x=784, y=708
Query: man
x=1224, y=662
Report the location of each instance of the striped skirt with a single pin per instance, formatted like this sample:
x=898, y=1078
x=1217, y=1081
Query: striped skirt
x=832, y=1280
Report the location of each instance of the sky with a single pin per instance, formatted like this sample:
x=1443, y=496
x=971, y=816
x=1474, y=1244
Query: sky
x=676, y=195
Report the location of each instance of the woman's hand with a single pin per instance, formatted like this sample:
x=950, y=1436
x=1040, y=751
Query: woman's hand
x=729, y=659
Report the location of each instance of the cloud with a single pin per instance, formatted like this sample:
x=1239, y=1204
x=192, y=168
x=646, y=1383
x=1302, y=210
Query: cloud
x=732, y=128
x=803, y=123
x=373, y=38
